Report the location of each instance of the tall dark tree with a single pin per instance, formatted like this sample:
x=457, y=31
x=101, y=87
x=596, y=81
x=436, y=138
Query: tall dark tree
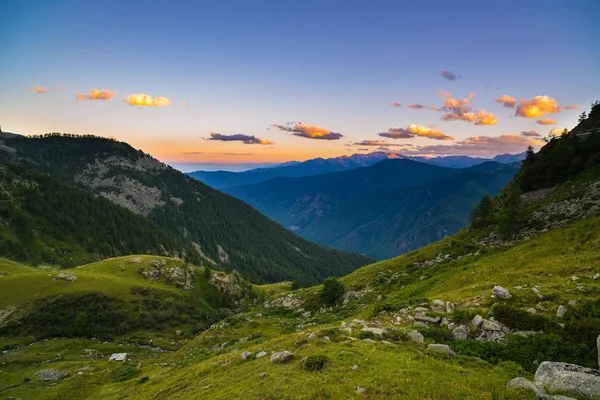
x=511, y=217
x=483, y=213
x=582, y=116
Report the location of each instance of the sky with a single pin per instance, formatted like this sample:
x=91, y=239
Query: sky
x=251, y=82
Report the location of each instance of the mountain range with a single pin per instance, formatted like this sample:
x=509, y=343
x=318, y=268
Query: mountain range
x=317, y=166
x=383, y=210
x=160, y=211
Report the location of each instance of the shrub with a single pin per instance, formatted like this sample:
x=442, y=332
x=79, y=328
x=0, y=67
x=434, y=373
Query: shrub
x=126, y=371
x=316, y=363
x=143, y=379
x=521, y=319
x=439, y=334
x=366, y=335
x=397, y=335
x=463, y=316
x=332, y=292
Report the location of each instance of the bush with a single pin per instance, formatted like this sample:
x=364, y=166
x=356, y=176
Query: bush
x=315, y=363
x=332, y=292
x=397, y=335
x=366, y=335
x=520, y=319
x=463, y=316
x=439, y=334
x=143, y=379
x=126, y=371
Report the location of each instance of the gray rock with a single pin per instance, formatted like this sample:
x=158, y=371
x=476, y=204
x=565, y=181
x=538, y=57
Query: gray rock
x=370, y=341
x=246, y=355
x=347, y=329
x=420, y=324
x=178, y=332
x=421, y=309
x=560, y=313
x=387, y=343
x=427, y=319
x=460, y=333
x=355, y=367
x=598, y=347
x=314, y=335
x=261, y=354
x=379, y=298
x=441, y=348
x=568, y=379
x=501, y=292
x=306, y=314
x=282, y=357
x=262, y=374
x=66, y=277
x=361, y=391
x=50, y=375
x=532, y=310
x=491, y=325
x=553, y=397
x=597, y=276
x=416, y=336
x=522, y=383
x=477, y=320
x=376, y=331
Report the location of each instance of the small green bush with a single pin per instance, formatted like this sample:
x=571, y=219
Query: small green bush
x=463, y=316
x=126, y=371
x=397, y=335
x=316, y=363
x=366, y=335
x=143, y=379
x=439, y=334
x=520, y=319
x=332, y=292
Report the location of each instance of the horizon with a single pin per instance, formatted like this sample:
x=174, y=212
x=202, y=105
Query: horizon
x=160, y=79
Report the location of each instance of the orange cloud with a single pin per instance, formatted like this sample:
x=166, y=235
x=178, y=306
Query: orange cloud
x=502, y=140
x=416, y=106
x=414, y=130
x=537, y=107
x=39, y=89
x=144, y=100
x=434, y=108
x=97, y=95
x=380, y=143
x=557, y=131
x=507, y=101
x=309, y=132
x=573, y=107
x=546, y=121
x=472, y=95
x=483, y=118
x=461, y=110
x=184, y=104
x=395, y=104
x=246, y=139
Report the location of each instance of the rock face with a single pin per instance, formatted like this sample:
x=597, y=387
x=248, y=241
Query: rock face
x=282, y=357
x=501, y=292
x=50, y=375
x=182, y=276
x=66, y=277
x=568, y=379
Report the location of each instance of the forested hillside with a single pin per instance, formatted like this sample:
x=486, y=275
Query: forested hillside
x=221, y=230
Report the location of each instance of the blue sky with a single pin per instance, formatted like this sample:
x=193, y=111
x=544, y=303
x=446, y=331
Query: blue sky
x=244, y=66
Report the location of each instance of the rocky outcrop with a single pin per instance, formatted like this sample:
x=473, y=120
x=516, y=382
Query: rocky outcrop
x=501, y=292
x=568, y=379
x=181, y=276
x=226, y=283
x=66, y=277
x=288, y=301
x=282, y=357
x=50, y=375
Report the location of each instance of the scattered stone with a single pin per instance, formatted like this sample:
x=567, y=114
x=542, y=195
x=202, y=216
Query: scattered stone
x=532, y=310
x=489, y=325
x=259, y=315
x=262, y=374
x=568, y=379
x=428, y=319
x=314, y=335
x=379, y=298
x=261, y=354
x=572, y=302
x=355, y=367
x=451, y=325
x=245, y=355
x=387, y=343
x=441, y=348
x=501, y=292
x=118, y=357
x=282, y=357
x=50, y=375
x=560, y=313
x=207, y=386
x=444, y=322
x=460, y=333
x=416, y=336
x=66, y=277
x=573, y=278
x=422, y=309
x=245, y=339
x=347, y=329
x=306, y=314
x=376, y=331
x=300, y=342
x=477, y=320
x=178, y=332
x=361, y=391
x=420, y=324
x=595, y=277
x=370, y=341
x=522, y=383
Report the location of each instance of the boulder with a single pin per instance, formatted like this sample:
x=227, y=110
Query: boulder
x=262, y=374
x=50, y=375
x=568, y=379
x=370, y=341
x=314, y=335
x=561, y=311
x=261, y=354
x=477, y=320
x=460, y=332
x=361, y=391
x=355, y=367
x=246, y=355
x=118, y=357
x=376, y=331
x=387, y=343
x=491, y=325
x=416, y=336
x=441, y=348
x=522, y=383
x=501, y=292
x=598, y=347
x=427, y=319
x=282, y=357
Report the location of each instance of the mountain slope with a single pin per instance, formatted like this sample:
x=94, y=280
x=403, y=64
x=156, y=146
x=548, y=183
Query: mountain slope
x=221, y=229
x=383, y=210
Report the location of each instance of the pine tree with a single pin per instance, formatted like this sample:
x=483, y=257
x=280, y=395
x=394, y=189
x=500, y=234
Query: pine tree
x=511, y=217
x=483, y=213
